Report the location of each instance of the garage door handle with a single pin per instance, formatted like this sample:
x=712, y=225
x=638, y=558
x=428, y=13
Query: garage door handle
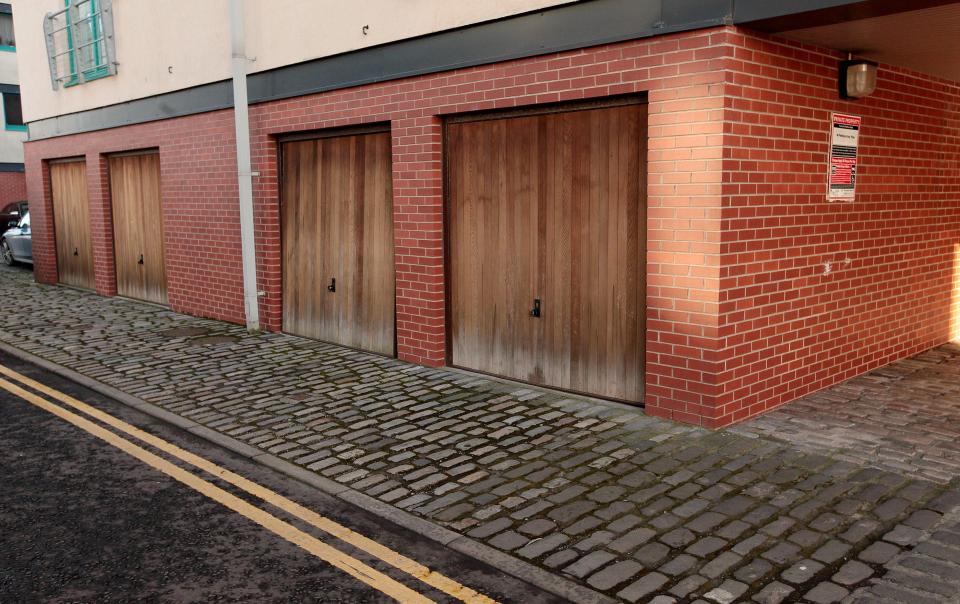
x=76, y=251
x=535, y=311
x=140, y=261
x=333, y=285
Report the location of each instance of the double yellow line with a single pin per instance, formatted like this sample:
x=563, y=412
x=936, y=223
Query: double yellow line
x=325, y=552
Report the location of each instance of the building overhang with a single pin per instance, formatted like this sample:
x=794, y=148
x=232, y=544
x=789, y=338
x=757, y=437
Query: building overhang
x=921, y=35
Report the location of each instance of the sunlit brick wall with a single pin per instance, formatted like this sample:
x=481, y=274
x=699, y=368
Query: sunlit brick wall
x=789, y=326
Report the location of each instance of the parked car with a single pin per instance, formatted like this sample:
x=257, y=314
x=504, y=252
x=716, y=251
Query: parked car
x=11, y=214
x=16, y=244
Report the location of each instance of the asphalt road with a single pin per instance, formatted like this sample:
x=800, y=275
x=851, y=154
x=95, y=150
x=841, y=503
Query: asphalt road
x=82, y=521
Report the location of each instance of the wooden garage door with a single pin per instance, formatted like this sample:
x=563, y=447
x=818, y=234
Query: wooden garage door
x=548, y=211
x=71, y=222
x=337, y=225
x=138, y=227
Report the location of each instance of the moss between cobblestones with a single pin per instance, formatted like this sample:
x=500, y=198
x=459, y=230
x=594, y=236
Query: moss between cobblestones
x=627, y=504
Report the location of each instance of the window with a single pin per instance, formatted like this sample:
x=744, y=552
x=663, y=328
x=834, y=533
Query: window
x=80, y=44
x=12, y=111
x=25, y=221
x=7, y=39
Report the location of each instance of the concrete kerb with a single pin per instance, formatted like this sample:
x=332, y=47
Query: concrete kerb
x=506, y=563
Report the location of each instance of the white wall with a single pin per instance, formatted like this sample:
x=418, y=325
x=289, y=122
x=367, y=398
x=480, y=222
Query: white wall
x=11, y=146
x=11, y=141
x=164, y=45
x=8, y=67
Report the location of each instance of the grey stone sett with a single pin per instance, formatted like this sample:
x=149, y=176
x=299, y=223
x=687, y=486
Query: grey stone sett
x=720, y=564
x=652, y=554
x=540, y=546
x=589, y=563
x=806, y=539
x=801, y=572
x=831, y=551
x=752, y=572
x=614, y=575
x=826, y=593
x=727, y=593
x=644, y=587
x=632, y=540
x=560, y=558
x=520, y=469
x=851, y=573
x=773, y=593
x=903, y=535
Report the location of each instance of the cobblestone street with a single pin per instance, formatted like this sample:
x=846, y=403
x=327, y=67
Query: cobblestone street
x=848, y=495
x=903, y=417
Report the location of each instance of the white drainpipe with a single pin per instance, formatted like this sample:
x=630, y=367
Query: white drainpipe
x=244, y=173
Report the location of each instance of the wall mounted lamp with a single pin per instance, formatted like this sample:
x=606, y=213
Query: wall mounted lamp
x=857, y=78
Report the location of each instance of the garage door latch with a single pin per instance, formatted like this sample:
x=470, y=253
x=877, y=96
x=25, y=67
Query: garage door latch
x=535, y=311
x=333, y=285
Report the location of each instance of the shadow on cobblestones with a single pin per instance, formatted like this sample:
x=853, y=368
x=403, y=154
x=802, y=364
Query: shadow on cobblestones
x=629, y=505
x=904, y=417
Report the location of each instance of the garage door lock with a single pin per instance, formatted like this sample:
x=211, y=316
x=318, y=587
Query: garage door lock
x=333, y=285
x=140, y=261
x=535, y=311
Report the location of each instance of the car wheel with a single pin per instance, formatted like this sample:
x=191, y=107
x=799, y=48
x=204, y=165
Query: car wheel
x=5, y=253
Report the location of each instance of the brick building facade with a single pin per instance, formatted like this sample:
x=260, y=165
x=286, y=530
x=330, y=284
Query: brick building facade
x=13, y=187
x=758, y=289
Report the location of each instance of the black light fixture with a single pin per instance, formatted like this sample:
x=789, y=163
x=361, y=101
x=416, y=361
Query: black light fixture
x=857, y=78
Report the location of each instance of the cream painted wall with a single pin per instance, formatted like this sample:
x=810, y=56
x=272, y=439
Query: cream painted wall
x=165, y=45
x=11, y=146
x=8, y=67
x=11, y=141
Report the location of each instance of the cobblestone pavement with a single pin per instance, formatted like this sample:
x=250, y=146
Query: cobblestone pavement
x=903, y=417
x=638, y=508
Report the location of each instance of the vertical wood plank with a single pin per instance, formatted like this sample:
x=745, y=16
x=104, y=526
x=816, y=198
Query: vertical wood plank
x=138, y=227
x=71, y=217
x=550, y=206
x=337, y=223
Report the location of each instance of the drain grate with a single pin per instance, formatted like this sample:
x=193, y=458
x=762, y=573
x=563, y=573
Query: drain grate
x=185, y=332
x=213, y=340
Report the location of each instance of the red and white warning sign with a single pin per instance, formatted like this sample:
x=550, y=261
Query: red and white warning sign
x=844, y=141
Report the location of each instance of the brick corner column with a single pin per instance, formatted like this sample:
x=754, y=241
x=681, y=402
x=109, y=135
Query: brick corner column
x=684, y=226
x=40, y=198
x=418, y=240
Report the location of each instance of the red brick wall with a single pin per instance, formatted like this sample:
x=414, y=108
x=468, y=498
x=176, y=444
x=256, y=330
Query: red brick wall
x=682, y=74
x=200, y=213
x=13, y=187
x=741, y=315
x=787, y=327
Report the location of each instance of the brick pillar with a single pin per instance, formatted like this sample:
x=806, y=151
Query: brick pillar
x=266, y=218
x=101, y=224
x=41, y=216
x=418, y=239
x=685, y=172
